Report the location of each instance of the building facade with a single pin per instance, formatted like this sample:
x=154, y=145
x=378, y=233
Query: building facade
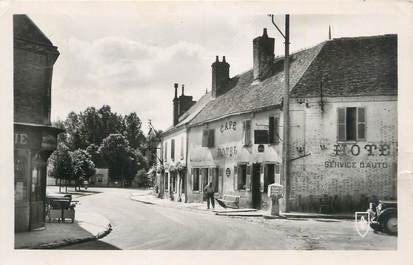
x=34, y=137
x=343, y=127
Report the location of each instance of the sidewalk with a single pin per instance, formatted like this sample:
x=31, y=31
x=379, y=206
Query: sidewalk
x=87, y=226
x=243, y=212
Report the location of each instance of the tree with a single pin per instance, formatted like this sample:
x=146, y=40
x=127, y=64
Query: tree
x=83, y=167
x=89, y=128
x=133, y=132
x=61, y=164
x=72, y=126
x=115, y=151
x=93, y=151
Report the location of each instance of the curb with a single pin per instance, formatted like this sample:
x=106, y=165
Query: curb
x=53, y=245
x=316, y=216
x=239, y=214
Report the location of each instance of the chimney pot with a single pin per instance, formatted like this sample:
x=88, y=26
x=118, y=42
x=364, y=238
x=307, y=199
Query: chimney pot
x=223, y=59
x=176, y=90
x=264, y=33
x=183, y=87
x=216, y=59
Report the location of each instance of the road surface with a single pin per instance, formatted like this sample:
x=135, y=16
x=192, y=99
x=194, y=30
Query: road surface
x=144, y=226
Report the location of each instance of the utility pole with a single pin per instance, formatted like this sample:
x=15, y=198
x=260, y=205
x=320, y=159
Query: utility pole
x=160, y=159
x=286, y=107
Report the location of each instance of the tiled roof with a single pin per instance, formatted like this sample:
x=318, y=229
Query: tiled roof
x=190, y=113
x=246, y=95
x=360, y=66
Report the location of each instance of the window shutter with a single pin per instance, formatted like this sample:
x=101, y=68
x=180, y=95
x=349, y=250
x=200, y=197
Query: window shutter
x=266, y=177
x=221, y=179
x=173, y=149
x=277, y=130
x=235, y=178
x=248, y=178
x=262, y=178
x=191, y=179
x=341, y=124
x=246, y=132
x=361, y=124
x=205, y=138
x=211, y=138
x=182, y=148
x=271, y=130
x=166, y=151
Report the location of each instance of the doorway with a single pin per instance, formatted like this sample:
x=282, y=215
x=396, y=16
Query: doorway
x=255, y=189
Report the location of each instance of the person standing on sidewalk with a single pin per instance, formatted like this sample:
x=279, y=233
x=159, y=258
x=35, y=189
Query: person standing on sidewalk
x=209, y=190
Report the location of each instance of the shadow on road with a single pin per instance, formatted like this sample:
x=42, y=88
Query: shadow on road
x=91, y=245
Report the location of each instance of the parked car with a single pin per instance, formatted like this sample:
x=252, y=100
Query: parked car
x=383, y=216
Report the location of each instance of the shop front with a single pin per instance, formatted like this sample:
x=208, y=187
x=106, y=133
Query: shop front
x=33, y=144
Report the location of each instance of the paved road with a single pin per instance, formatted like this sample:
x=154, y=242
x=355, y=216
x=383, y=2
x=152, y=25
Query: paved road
x=142, y=226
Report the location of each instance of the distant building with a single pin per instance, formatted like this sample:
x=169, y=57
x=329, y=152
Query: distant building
x=34, y=137
x=343, y=127
x=101, y=178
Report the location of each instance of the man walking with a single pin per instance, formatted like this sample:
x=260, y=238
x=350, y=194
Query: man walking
x=209, y=190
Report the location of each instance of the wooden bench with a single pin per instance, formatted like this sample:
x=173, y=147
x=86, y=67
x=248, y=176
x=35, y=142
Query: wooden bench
x=229, y=201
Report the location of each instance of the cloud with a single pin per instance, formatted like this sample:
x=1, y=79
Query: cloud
x=126, y=74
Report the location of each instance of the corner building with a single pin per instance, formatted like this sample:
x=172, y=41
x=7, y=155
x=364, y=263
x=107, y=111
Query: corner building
x=34, y=137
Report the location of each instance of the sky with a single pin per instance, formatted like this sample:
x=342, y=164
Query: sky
x=131, y=62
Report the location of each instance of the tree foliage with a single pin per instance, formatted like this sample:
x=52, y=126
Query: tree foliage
x=83, y=167
x=61, y=163
x=106, y=139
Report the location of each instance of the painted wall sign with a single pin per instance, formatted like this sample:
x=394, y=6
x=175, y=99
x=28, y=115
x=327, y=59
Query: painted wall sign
x=351, y=164
x=227, y=151
x=228, y=172
x=21, y=138
x=355, y=149
x=228, y=126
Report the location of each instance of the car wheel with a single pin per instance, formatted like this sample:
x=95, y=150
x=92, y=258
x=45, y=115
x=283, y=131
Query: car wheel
x=390, y=224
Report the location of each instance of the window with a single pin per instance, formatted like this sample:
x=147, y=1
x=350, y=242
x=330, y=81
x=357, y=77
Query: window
x=242, y=177
x=100, y=177
x=274, y=130
x=247, y=132
x=195, y=181
x=208, y=138
x=269, y=175
x=166, y=151
x=260, y=136
x=351, y=124
x=173, y=149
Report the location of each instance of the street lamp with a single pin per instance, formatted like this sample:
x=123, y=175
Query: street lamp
x=286, y=116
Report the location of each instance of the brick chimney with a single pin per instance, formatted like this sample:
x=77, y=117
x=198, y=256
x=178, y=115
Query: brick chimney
x=263, y=53
x=220, y=77
x=181, y=104
x=175, y=104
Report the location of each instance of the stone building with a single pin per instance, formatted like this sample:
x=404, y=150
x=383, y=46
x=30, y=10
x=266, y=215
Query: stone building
x=343, y=127
x=34, y=137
